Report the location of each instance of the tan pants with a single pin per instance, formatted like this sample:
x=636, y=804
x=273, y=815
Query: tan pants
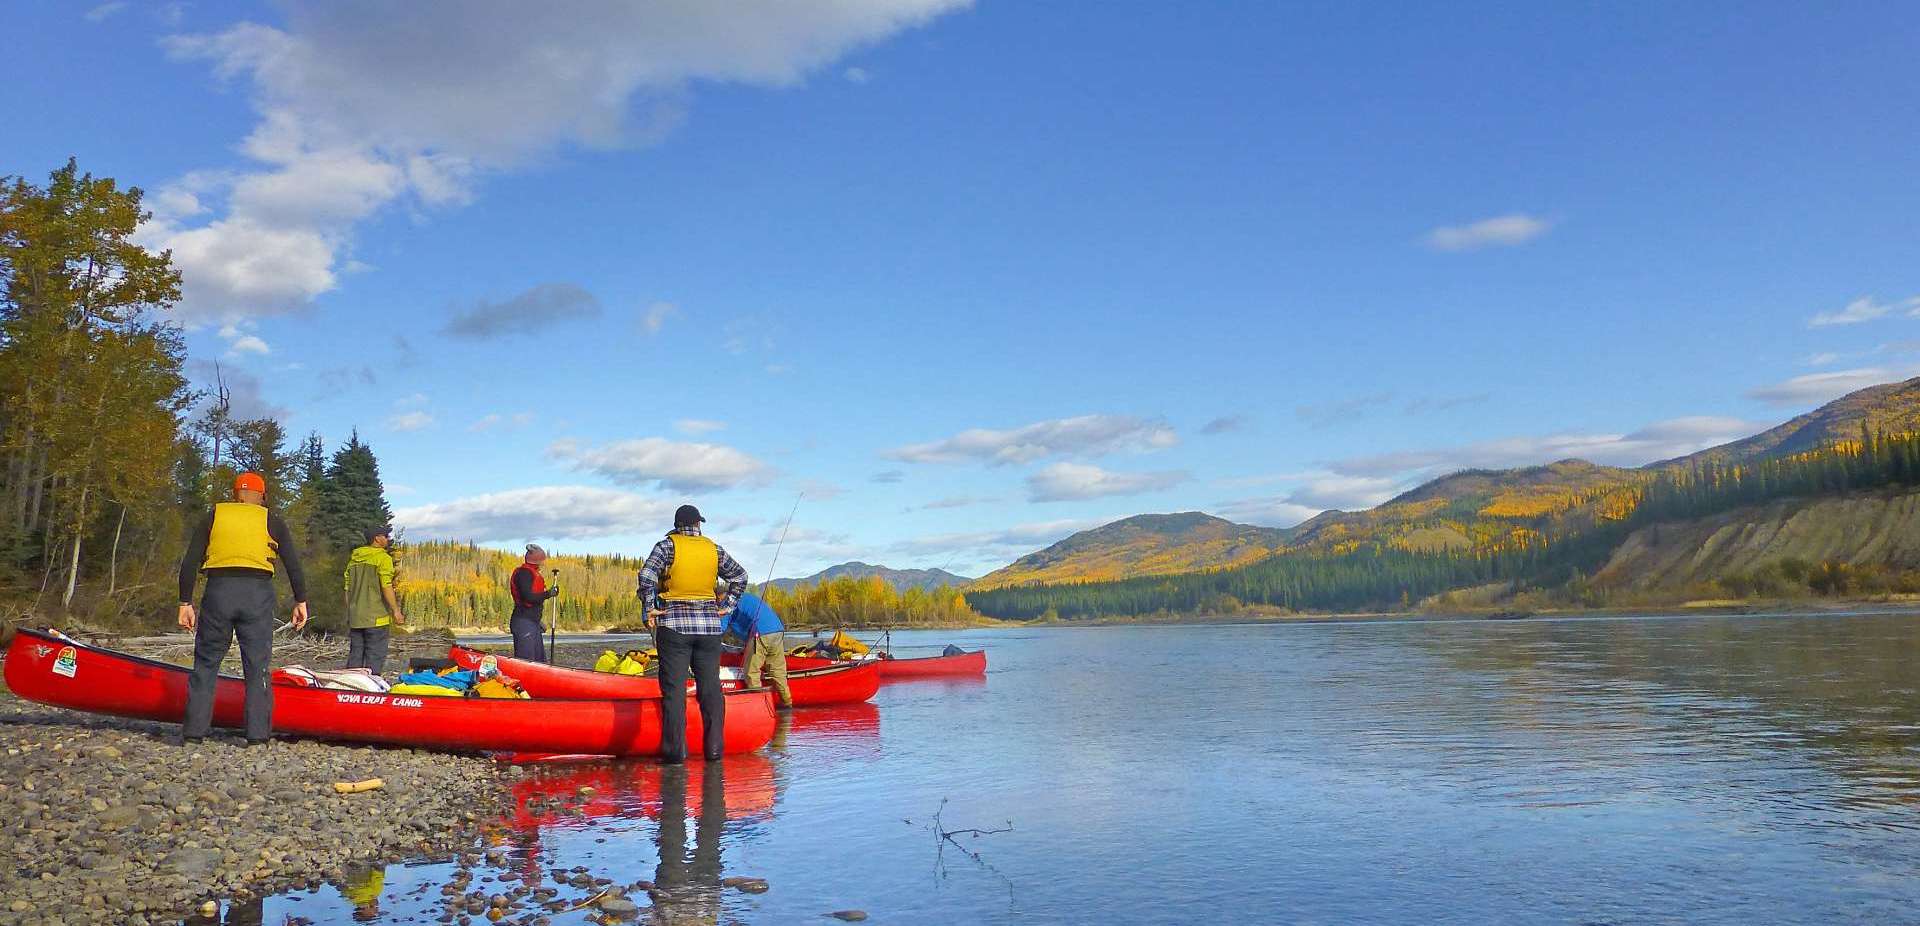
x=770, y=650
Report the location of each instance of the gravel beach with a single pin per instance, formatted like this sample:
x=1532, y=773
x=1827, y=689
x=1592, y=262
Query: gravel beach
x=105, y=820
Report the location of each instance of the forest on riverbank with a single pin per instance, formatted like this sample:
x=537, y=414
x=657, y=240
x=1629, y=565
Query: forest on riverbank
x=1550, y=559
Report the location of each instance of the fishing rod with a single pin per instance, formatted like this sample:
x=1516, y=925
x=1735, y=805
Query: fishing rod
x=783, y=542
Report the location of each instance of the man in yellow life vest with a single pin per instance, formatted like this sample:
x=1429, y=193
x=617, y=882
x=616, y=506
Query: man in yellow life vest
x=687, y=619
x=372, y=606
x=237, y=546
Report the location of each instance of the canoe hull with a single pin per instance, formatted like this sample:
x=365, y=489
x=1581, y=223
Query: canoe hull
x=974, y=663
x=64, y=673
x=831, y=683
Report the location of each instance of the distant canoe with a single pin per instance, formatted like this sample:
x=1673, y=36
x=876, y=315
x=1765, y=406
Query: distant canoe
x=973, y=663
x=1509, y=615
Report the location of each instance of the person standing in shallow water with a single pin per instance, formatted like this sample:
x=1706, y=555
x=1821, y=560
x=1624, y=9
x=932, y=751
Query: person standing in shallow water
x=237, y=545
x=763, y=639
x=683, y=570
x=530, y=594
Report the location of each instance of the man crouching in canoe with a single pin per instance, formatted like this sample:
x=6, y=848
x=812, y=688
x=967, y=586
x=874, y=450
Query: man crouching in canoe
x=236, y=546
x=683, y=570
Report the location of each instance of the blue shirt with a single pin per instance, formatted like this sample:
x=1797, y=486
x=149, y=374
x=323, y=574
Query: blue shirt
x=753, y=616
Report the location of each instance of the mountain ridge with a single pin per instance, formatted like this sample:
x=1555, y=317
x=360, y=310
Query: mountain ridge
x=900, y=579
x=1481, y=509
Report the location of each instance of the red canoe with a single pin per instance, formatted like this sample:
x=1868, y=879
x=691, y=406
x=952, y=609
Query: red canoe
x=974, y=663
x=65, y=673
x=832, y=683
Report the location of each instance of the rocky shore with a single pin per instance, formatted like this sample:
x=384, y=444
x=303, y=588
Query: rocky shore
x=107, y=821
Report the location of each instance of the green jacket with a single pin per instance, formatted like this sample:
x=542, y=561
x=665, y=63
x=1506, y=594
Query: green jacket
x=369, y=570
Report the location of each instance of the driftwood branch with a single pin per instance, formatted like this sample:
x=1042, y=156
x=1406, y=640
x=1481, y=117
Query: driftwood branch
x=943, y=837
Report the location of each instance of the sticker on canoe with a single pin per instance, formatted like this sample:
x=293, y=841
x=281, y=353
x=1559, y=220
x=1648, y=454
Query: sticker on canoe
x=67, y=663
x=375, y=699
x=489, y=666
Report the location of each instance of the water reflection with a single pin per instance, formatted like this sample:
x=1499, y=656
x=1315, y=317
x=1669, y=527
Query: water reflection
x=687, y=882
x=1791, y=694
x=362, y=889
x=840, y=724
x=582, y=794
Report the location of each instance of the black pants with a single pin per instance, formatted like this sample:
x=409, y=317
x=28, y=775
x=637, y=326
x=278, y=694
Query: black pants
x=529, y=639
x=702, y=651
x=233, y=607
x=367, y=648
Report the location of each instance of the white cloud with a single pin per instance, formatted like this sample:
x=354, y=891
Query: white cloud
x=409, y=421
x=249, y=344
x=1863, y=309
x=545, y=512
x=241, y=343
x=1086, y=435
x=856, y=75
x=1820, y=359
x=656, y=316
x=1816, y=388
x=1658, y=441
x=363, y=104
x=1317, y=492
x=103, y=11
x=542, y=304
x=698, y=426
x=1016, y=540
x=1345, y=492
x=1499, y=231
x=1268, y=511
x=1075, y=481
x=687, y=467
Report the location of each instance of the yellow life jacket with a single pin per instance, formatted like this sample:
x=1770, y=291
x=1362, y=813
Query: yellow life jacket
x=239, y=538
x=695, y=569
x=608, y=661
x=635, y=663
x=845, y=643
x=418, y=690
x=497, y=688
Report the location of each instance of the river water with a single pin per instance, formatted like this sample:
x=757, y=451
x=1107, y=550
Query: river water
x=1746, y=769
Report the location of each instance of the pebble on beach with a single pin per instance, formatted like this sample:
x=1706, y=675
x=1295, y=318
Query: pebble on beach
x=109, y=821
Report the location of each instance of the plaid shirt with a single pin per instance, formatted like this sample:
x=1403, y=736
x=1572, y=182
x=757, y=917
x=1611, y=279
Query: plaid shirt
x=693, y=617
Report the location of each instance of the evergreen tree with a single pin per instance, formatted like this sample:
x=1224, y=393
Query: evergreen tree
x=347, y=501
x=351, y=497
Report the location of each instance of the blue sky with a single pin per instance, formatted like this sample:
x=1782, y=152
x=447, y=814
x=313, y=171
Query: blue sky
x=971, y=277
